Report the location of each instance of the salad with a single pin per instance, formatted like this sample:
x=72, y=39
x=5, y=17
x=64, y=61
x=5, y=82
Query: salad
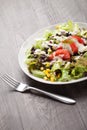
x=60, y=55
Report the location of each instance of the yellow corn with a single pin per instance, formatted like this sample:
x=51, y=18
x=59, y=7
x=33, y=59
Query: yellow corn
x=57, y=26
x=49, y=50
x=45, y=78
x=48, y=75
x=52, y=79
x=48, y=70
x=47, y=64
x=41, y=68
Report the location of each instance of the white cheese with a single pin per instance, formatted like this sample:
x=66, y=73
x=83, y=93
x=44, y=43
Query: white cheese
x=60, y=38
x=38, y=51
x=67, y=46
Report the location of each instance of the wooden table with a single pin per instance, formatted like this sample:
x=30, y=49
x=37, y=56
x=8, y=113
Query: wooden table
x=28, y=111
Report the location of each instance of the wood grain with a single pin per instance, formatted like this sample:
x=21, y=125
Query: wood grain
x=18, y=20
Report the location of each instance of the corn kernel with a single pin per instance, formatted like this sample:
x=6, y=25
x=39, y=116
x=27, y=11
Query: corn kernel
x=47, y=64
x=48, y=75
x=49, y=50
x=41, y=68
x=45, y=78
x=48, y=70
x=57, y=26
x=45, y=72
x=52, y=79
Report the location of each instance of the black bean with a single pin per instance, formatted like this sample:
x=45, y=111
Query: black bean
x=50, y=47
x=32, y=50
x=50, y=41
x=42, y=58
x=68, y=34
x=46, y=50
x=35, y=55
x=58, y=34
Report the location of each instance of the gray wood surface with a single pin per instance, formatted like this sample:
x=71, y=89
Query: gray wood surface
x=18, y=20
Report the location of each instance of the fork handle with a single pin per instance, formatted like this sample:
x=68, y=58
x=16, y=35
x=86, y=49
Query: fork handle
x=54, y=96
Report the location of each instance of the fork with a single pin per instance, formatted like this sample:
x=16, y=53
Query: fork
x=21, y=87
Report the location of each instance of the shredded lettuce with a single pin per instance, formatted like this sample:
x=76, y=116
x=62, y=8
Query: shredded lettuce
x=70, y=27
x=67, y=26
x=37, y=73
x=78, y=71
x=85, y=55
x=47, y=34
x=83, y=33
x=65, y=75
x=38, y=44
x=80, y=67
x=30, y=61
x=55, y=66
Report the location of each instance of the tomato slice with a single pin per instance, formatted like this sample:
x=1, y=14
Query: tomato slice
x=63, y=53
x=74, y=47
x=78, y=38
x=59, y=48
x=51, y=56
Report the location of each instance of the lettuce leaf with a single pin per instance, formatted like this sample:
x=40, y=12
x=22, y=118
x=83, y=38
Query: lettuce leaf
x=65, y=75
x=78, y=71
x=38, y=73
x=85, y=55
x=55, y=66
x=38, y=44
x=47, y=34
x=70, y=27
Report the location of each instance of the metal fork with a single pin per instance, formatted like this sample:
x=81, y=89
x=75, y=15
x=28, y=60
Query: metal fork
x=21, y=87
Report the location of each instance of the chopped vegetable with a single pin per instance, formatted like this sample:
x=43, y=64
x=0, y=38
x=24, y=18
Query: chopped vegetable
x=74, y=47
x=78, y=38
x=63, y=53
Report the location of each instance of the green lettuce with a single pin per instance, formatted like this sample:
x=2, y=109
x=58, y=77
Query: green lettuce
x=47, y=34
x=38, y=73
x=65, y=76
x=85, y=55
x=78, y=71
x=70, y=26
x=55, y=66
x=38, y=44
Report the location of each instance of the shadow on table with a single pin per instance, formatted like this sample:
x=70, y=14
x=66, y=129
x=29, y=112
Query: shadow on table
x=75, y=90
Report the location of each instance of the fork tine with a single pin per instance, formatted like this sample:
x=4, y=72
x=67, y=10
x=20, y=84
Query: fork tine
x=10, y=80
x=7, y=82
x=15, y=81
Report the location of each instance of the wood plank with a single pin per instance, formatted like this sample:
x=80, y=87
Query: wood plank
x=18, y=20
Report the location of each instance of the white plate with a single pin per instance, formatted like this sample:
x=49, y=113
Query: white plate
x=28, y=44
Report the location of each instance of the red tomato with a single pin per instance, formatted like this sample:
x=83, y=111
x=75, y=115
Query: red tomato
x=74, y=47
x=78, y=38
x=63, y=53
x=51, y=57
x=59, y=47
